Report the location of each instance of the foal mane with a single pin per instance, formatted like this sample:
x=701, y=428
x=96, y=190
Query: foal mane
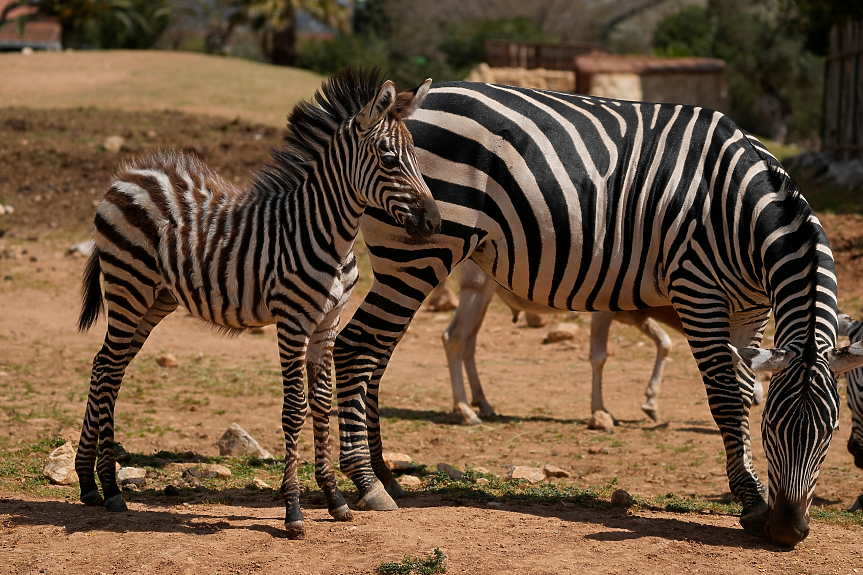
x=313, y=124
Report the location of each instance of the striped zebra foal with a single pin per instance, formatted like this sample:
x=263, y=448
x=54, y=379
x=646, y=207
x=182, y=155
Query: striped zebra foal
x=171, y=232
x=590, y=204
x=848, y=326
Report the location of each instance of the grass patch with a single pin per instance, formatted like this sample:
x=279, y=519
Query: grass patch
x=434, y=562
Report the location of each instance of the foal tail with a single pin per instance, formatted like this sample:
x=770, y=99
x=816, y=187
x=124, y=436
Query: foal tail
x=91, y=293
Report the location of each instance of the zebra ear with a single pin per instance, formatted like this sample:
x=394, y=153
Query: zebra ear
x=409, y=102
x=846, y=324
x=380, y=105
x=844, y=359
x=759, y=360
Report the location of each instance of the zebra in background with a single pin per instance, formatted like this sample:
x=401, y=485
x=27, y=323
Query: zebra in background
x=853, y=329
x=171, y=232
x=584, y=203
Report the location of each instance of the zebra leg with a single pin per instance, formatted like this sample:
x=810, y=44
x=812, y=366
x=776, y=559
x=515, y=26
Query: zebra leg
x=459, y=341
x=109, y=366
x=654, y=331
x=319, y=363
x=292, y=350
x=600, y=324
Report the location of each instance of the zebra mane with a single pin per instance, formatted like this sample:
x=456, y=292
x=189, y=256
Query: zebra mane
x=802, y=213
x=312, y=124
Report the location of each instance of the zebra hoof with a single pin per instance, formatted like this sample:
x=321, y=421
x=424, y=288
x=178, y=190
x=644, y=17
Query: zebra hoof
x=116, y=504
x=651, y=412
x=754, y=520
x=92, y=499
x=394, y=489
x=377, y=500
x=295, y=530
x=342, y=513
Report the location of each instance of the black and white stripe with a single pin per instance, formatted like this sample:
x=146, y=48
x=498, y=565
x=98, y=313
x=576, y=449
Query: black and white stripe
x=171, y=232
x=586, y=204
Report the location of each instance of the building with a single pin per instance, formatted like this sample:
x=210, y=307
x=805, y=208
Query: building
x=39, y=33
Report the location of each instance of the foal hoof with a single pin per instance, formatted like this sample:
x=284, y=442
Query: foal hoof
x=342, y=513
x=92, y=499
x=295, y=530
x=753, y=520
x=377, y=500
x=116, y=504
x=394, y=489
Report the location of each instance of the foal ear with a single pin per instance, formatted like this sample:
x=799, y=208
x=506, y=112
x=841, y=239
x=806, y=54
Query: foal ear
x=409, y=102
x=844, y=359
x=759, y=360
x=380, y=105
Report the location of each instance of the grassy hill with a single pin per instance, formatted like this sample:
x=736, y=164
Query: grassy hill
x=152, y=80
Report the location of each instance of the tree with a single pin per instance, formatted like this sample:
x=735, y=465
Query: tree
x=814, y=18
x=101, y=23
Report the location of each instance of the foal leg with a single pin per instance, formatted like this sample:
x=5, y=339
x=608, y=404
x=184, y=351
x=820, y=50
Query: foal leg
x=120, y=347
x=654, y=331
x=600, y=324
x=319, y=365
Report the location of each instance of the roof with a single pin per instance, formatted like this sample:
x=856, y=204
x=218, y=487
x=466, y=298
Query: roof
x=619, y=63
x=39, y=31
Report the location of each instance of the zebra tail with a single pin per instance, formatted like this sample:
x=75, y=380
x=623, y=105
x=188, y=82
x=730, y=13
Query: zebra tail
x=91, y=293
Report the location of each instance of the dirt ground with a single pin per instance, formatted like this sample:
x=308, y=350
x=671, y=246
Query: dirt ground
x=52, y=170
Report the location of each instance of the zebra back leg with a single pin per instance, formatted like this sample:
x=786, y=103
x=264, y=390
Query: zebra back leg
x=131, y=318
x=654, y=331
x=319, y=365
x=459, y=341
x=600, y=324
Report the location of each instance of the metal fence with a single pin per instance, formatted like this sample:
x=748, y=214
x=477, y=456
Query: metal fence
x=842, y=132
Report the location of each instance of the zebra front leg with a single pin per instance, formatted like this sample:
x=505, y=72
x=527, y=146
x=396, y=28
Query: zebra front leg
x=294, y=409
x=376, y=447
x=319, y=359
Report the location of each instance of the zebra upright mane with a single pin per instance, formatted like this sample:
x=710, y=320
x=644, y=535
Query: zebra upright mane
x=313, y=123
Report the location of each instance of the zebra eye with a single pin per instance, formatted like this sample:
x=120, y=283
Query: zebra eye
x=390, y=160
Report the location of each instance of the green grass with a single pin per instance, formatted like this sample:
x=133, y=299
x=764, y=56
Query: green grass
x=435, y=562
x=153, y=80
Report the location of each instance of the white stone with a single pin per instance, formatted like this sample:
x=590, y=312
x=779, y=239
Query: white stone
x=601, y=420
x=260, y=483
x=220, y=471
x=482, y=481
x=60, y=465
x=453, y=472
x=560, y=332
x=410, y=481
x=9, y=209
x=236, y=441
x=126, y=473
x=532, y=475
x=167, y=360
x=398, y=461
x=113, y=143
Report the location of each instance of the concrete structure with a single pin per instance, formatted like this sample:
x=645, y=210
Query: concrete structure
x=39, y=33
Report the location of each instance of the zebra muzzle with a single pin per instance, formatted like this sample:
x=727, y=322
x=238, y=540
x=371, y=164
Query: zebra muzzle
x=424, y=220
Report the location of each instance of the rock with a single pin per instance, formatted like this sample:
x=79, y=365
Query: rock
x=9, y=209
x=598, y=450
x=482, y=481
x=60, y=465
x=127, y=474
x=532, y=475
x=171, y=491
x=482, y=470
x=2, y=210
x=167, y=360
x=207, y=472
x=398, y=461
x=26, y=51
x=560, y=332
x=494, y=504
x=113, y=143
x=554, y=471
x=534, y=319
x=82, y=248
x=601, y=420
x=260, y=483
x=220, y=471
x=410, y=481
x=135, y=482
x=452, y=472
x=236, y=441
x=848, y=174
x=621, y=498
x=442, y=299
x=175, y=467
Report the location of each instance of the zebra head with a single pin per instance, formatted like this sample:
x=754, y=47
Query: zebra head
x=800, y=416
x=852, y=328
x=388, y=167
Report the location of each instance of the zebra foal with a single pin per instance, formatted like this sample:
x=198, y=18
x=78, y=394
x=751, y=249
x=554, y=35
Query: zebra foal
x=590, y=204
x=171, y=232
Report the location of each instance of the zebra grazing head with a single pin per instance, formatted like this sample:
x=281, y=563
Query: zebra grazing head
x=801, y=415
x=852, y=328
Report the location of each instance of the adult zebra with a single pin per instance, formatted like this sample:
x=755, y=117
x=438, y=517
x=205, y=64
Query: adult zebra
x=170, y=231
x=588, y=204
